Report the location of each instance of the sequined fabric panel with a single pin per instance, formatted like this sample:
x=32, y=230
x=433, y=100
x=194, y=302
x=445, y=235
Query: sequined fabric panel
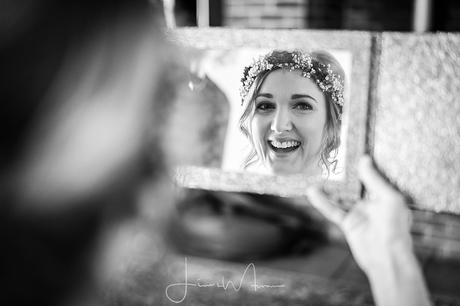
x=417, y=124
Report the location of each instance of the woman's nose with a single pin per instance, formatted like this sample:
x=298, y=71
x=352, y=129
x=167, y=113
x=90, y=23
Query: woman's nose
x=281, y=121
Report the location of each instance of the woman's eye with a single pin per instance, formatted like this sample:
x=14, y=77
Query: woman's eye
x=303, y=106
x=265, y=106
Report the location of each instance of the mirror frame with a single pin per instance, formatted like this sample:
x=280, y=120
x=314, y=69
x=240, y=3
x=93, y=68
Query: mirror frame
x=358, y=43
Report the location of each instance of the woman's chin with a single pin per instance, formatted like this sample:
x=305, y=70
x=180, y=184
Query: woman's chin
x=284, y=170
x=290, y=169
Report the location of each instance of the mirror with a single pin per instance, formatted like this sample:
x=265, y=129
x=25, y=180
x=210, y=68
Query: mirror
x=241, y=226
x=264, y=148
x=214, y=66
x=219, y=195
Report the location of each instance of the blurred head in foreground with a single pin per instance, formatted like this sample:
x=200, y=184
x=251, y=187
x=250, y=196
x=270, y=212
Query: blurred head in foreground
x=81, y=119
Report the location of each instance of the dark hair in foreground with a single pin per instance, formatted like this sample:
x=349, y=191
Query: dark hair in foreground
x=47, y=252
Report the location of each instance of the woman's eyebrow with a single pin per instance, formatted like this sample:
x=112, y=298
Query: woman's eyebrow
x=265, y=95
x=299, y=96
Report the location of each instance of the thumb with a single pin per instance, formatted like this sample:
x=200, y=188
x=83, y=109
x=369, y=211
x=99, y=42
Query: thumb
x=372, y=179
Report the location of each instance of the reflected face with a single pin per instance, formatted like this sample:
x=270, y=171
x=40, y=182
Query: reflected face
x=288, y=123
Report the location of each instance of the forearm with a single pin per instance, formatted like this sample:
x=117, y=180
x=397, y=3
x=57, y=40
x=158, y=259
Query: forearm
x=398, y=279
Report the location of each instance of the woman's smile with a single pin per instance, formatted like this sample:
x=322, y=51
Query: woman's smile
x=284, y=146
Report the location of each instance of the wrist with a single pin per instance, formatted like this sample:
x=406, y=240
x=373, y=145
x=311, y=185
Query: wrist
x=397, y=278
x=394, y=259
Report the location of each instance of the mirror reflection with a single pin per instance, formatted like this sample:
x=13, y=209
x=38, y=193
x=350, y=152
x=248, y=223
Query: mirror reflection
x=244, y=226
x=287, y=111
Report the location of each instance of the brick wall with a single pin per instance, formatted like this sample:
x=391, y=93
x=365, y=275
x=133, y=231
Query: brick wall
x=360, y=15
x=284, y=14
x=319, y=14
x=389, y=15
x=325, y=14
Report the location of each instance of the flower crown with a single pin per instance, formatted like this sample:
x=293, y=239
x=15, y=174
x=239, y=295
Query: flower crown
x=328, y=81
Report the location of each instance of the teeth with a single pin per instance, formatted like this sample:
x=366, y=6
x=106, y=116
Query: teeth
x=285, y=144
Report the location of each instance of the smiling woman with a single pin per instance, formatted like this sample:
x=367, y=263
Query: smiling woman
x=288, y=121
x=292, y=105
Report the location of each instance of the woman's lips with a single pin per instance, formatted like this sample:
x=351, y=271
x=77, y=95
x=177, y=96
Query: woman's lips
x=283, y=146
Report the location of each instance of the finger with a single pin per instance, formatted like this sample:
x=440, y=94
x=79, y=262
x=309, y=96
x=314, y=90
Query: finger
x=372, y=179
x=321, y=202
x=356, y=218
